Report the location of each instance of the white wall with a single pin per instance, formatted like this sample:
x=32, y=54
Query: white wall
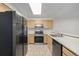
x=68, y=26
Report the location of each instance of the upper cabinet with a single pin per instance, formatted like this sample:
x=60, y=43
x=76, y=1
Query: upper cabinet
x=46, y=23
x=3, y=8
x=30, y=23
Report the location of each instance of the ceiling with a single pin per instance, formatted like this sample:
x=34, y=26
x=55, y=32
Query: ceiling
x=49, y=10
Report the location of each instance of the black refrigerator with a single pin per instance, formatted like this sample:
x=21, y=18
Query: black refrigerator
x=8, y=32
x=21, y=41
x=6, y=39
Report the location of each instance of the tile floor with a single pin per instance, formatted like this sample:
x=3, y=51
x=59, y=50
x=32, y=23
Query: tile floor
x=33, y=50
x=38, y=50
x=19, y=50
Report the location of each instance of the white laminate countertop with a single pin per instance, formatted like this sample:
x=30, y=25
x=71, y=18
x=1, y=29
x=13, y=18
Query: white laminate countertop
x=69, y=42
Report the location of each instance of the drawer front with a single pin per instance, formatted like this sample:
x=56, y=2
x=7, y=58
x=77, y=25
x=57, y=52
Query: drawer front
x=67, y=52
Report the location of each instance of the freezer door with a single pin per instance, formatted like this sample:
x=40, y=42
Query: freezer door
x=5, y=33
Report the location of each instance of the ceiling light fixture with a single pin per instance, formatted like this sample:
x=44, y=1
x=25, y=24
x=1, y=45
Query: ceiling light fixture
x=36, y=8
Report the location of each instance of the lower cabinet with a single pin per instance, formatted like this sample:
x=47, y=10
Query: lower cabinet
x=30, y=39
x=49, y=43
x=46, y=38
x=58, y=49
x=66, y=52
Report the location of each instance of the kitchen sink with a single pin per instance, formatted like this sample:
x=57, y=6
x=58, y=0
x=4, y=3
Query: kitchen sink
x=57, y=35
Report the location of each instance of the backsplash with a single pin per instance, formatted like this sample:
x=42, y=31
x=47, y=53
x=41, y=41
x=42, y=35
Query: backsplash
x=46, y=31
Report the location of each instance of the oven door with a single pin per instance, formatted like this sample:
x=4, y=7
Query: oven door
x=38, y=39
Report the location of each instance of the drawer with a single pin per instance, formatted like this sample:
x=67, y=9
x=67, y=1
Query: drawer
x=67, y=52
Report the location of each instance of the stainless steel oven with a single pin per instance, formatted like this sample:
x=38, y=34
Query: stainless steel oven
x=38, y=36
x=38, y=39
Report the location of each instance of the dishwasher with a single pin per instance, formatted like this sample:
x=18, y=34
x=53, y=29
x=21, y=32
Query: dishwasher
x=57, y=48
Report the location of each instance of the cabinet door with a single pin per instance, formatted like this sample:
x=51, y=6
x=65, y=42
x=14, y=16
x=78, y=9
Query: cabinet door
x=30, y=23
x=48, y=23
x=50, y=43
x=45, y=38
x=30, y=38
x=4, y=8
x=63, y=54
x=67, y=52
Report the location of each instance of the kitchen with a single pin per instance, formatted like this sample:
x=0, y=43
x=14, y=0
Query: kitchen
x=53, y=33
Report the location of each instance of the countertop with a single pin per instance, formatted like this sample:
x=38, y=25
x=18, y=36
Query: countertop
x=69, y=42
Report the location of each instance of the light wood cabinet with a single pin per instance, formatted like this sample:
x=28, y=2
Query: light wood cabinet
x=63, y=54
x=50, y=43
x=48, y=23
x=66, y=52
x=30, y=39
x=45, y=23
x=46, y=38
x=57, y=49
x=30, y=23
x=3, y=8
